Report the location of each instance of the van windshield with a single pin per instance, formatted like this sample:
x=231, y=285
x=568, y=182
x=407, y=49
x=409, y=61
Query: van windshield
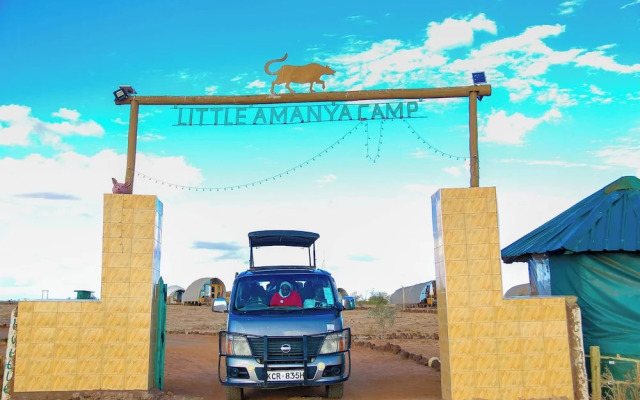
x=283, y=291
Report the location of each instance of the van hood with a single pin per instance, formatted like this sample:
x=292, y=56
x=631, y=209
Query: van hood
x=292, y=323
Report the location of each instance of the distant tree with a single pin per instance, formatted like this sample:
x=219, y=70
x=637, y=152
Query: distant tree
x=357, y=296
x=378, y=298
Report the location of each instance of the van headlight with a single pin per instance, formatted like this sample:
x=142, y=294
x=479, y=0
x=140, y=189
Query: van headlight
x=335, y=342
x=237, y=345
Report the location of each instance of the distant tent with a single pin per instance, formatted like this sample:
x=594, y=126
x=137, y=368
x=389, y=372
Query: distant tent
x=518, y=290
x=174, y=294
x=202, y=290
x=408, y=295
x=342, y=293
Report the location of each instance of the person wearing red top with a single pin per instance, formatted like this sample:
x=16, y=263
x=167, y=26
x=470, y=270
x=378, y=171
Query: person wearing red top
x=286, y=296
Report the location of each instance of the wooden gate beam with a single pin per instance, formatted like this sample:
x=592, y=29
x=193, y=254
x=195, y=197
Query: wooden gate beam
x=386, y=94
x=472, y=92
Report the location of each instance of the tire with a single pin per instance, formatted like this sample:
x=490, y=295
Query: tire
x=233, y=393
x=335, y=391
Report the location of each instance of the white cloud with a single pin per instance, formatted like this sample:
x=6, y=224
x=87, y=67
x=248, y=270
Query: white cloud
x=520, y=89
x=528, y=42
x=633, y=3
x=512, y=129
x=598, y=60
x=596, y=90
x=596, y=95
x=453, y=33
x=625, y=154
x=18, y=127
x=256, y=84
x=633, y=96
x=64, y=113
x=150, y=137
x=569, y=6
x=519, y=63
x=455, y=171
x=526, y=55
x=15, y=125
x=55, y=239
x=557, y=97
x=211, y=90
x=552, y=163
x=327, y=179
x=419, y=153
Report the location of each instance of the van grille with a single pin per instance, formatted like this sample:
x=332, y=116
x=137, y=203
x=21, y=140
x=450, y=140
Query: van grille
x=274, y=347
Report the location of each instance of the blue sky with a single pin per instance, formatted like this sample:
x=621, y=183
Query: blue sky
x=563, y=121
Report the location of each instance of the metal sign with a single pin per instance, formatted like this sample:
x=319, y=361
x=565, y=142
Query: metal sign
x=295, y=114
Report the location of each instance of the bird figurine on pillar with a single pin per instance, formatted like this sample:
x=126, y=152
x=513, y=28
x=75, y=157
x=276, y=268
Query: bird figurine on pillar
x=121, y=188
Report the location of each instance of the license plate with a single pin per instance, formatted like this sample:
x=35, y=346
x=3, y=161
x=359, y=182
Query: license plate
x=286, y=375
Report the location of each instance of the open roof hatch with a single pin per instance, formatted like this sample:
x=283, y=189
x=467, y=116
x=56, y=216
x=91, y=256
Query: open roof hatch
x=286, y=238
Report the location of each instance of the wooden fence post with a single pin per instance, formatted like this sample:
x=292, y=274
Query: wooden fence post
x=596, y=374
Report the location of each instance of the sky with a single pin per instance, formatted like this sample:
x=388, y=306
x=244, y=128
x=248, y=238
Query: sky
x=562, y=121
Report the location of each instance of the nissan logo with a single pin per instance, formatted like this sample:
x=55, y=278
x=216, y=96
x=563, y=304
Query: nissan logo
x=285, y=348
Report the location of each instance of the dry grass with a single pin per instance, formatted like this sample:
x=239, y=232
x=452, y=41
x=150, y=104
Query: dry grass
x=629, y=389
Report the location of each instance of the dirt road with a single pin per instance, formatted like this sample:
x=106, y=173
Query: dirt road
x=191, y=370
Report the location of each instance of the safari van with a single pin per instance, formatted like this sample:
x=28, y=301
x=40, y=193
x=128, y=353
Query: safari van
x=284, y=325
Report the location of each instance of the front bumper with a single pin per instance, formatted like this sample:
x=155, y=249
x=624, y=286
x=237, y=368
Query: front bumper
x=252, y=370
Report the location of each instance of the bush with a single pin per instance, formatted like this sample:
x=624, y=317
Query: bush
x=378, y=298
x=385, y=317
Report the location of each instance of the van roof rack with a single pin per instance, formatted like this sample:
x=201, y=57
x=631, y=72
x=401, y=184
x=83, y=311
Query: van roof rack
x=289, y=238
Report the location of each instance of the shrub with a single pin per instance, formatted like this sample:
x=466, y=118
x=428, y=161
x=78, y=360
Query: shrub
x=378, y=298
x=385, y=317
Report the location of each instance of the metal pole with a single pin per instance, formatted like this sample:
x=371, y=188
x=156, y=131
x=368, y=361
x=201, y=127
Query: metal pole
x=403, y=297
x=131, y=148
x=474, y=162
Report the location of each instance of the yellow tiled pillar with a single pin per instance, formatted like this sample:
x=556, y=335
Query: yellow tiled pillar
x=131, y=268
x=100, y=345
x=491, y=348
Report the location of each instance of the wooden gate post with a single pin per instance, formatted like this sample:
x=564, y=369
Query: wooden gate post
x=132, y=143
x=596, y=374
x=474, y=162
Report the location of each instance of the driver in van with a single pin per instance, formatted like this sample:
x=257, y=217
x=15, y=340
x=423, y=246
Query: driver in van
x=317, y=300
x=286, y=296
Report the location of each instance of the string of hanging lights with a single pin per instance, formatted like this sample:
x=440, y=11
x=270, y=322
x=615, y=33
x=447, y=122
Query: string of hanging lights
x=254, y=183
x=305, y=163
x=369, y=157
x=431, y=147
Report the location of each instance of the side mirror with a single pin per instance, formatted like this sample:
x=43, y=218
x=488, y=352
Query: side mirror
x=219, y=305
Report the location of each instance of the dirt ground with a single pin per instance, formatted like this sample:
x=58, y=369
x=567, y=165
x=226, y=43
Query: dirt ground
x=387, y=364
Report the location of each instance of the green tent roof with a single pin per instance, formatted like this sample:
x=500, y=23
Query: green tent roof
x=608, y=220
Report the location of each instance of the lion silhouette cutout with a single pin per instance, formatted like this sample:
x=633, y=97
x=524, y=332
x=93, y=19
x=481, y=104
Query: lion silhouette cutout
x=287, y=74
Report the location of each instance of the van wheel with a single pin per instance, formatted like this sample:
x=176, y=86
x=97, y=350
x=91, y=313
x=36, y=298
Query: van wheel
x=335, y=391
x=233, y=393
